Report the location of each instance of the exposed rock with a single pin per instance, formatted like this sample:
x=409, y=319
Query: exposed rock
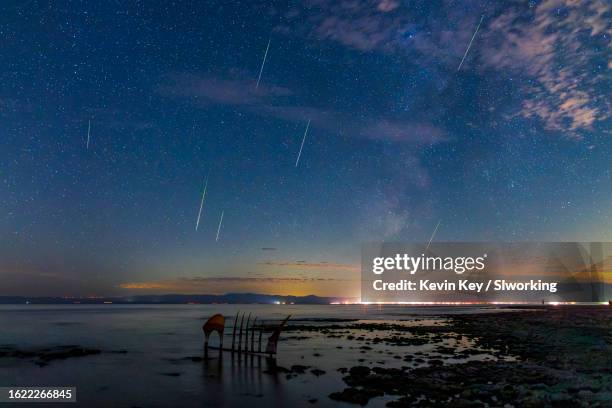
x=43, y=357
x=353, y=395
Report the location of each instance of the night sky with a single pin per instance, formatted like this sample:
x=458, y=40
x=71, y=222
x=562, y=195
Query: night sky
x=515, y=145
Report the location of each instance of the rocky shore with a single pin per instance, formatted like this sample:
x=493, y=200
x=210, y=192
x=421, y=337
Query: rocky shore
x=549, y=357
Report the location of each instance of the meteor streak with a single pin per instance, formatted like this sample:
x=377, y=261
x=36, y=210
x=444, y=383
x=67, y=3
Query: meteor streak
x=262, y=64
x=88, y=132
x=219, y=227
x=202, y=202
x=302, y=146
x=470, y=44
x=433, y=234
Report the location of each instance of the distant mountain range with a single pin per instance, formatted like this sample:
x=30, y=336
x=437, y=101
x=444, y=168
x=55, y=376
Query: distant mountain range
x=232, y=298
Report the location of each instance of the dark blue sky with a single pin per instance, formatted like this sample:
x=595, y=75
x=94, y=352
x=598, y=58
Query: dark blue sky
x=514, y=145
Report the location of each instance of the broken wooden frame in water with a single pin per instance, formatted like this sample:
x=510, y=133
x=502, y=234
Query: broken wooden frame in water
x=252, y=332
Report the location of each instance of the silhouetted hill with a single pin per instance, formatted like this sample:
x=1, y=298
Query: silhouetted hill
x=233, y=298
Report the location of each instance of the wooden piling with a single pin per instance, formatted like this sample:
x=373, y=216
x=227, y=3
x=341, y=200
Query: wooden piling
x=261, y=329
x=240, y=338
x=253, y=335
x=234, y=330
x=246, y=340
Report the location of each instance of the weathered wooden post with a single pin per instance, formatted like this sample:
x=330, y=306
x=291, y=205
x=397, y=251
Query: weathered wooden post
x=273, y=340
x=253, y=335
x=261, y=329
x=240, y=339
x=246, y=340
x=234, y=330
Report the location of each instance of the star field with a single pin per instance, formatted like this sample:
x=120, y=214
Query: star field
x=514, y=146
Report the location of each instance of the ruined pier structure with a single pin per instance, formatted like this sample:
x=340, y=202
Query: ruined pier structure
x=249, y=331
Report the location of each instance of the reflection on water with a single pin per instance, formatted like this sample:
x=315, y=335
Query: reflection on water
x=164, y=362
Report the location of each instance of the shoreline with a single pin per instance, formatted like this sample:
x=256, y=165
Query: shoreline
x=521, y=356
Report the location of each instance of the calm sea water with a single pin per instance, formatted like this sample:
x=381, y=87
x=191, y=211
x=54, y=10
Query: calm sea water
x=157, y=338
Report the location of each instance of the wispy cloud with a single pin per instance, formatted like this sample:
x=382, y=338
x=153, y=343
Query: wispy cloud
x=556, y=47
x=274, y=101
x=236, y=89
x=311, y=265
x=146, y=285
x=384, y=26
x=402, y=131
x=557, y=50
x=362, y=25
